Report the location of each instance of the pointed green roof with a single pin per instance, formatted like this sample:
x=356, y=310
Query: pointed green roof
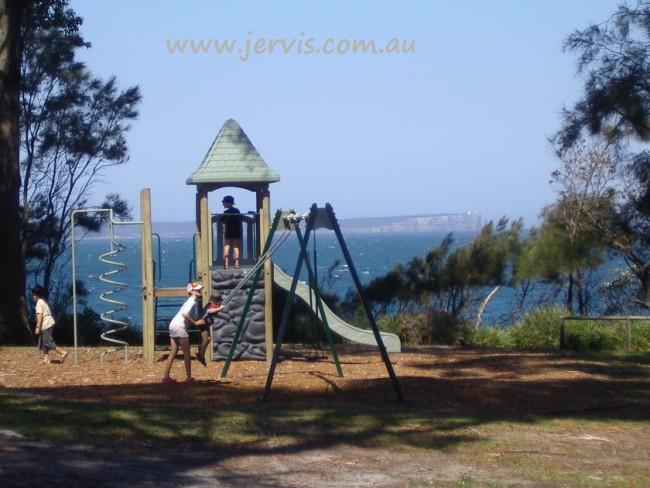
x=232, y=158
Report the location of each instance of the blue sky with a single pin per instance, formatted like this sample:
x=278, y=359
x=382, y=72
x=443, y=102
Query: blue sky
x=460, y=125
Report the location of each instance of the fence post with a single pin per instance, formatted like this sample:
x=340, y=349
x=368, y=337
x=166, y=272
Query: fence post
x=628, y=335
x=562, y=333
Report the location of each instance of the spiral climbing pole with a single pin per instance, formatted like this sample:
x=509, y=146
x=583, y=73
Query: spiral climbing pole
x=116, y=325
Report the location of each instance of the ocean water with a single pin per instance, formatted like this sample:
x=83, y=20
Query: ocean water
x=373, y=255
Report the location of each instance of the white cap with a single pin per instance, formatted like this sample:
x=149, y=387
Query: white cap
x=194, y=286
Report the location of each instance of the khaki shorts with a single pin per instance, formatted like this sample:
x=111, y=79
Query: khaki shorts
x=46, y=339
x=177, y=331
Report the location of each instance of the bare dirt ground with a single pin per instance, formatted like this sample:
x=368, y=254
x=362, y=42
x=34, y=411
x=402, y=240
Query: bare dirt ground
x=506, y=387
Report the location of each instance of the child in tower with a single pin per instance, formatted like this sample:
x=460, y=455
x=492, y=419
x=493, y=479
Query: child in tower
x=232, y=231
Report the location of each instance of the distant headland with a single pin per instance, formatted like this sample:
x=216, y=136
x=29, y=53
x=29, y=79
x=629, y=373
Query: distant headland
x=444, y=222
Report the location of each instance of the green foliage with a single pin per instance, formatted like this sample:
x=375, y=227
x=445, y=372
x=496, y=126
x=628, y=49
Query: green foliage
x=589, y=335
x=614, y=58
x=640, y=335
x=73, y=128
x=432, y=327
x=409, y=328
x=489, y=337
x=566, y=249
x=89, y=328
x=446, y=279
x=607, y=336
x=539, y=330
x=549, y=253
x=303, y=326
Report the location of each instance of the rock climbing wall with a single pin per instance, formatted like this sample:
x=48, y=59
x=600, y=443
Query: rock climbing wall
x=251, y=344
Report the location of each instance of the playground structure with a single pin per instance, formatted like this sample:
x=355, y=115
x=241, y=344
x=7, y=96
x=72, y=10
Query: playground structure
x=246, y=329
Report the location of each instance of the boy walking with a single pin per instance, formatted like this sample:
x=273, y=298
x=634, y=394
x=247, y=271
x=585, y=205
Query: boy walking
x=45, y=326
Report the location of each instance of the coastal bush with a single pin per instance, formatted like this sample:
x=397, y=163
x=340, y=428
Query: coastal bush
x=443, y=327
x=539, y=330
x=590, y=335
x=640, y=336
x=604, y=336
x=410, y=328
x=432, y=327
x=490, y=337
x=89, y=328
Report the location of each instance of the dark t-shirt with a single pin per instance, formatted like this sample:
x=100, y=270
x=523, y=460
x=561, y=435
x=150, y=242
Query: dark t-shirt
x=232, y=221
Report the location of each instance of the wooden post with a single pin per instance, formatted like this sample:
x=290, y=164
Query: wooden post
x=198, y=253
x=265, y=222
x=148, y=319
x=204, y=224
x=628, y=335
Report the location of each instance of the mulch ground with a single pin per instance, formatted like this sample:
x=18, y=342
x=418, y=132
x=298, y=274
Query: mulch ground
x=437, y=383
x=435, y=378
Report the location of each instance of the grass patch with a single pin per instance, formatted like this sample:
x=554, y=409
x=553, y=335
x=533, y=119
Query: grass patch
x=551, y=449
x=231, y=427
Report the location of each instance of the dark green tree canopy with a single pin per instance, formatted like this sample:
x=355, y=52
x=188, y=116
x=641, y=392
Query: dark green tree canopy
x=447, y=278
x=614, y=57
x=73, y=128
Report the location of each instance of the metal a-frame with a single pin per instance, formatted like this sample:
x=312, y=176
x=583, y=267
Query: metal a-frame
x=291, y=222
x=325, y=218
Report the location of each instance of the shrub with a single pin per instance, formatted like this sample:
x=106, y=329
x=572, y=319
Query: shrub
x=495, y=337
x=539, y=330
x=443, y=327
x=410, y=328
x=433, y=327
x=589, y=335
x=641, y=336
x=89, y=328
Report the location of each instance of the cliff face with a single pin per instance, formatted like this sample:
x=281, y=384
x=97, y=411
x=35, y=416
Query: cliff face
x=414, y=223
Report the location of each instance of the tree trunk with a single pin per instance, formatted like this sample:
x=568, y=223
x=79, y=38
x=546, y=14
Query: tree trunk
x=13, y=310
x=481, y=308
x=645, y=288
x=579, y=292
x=569, y=294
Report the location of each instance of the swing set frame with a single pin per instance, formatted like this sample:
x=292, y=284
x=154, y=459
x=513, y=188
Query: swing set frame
x=316, y=218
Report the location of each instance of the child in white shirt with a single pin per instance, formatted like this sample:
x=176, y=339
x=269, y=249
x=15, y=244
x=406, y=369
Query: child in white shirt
x=178, y=333
x=45, y=326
